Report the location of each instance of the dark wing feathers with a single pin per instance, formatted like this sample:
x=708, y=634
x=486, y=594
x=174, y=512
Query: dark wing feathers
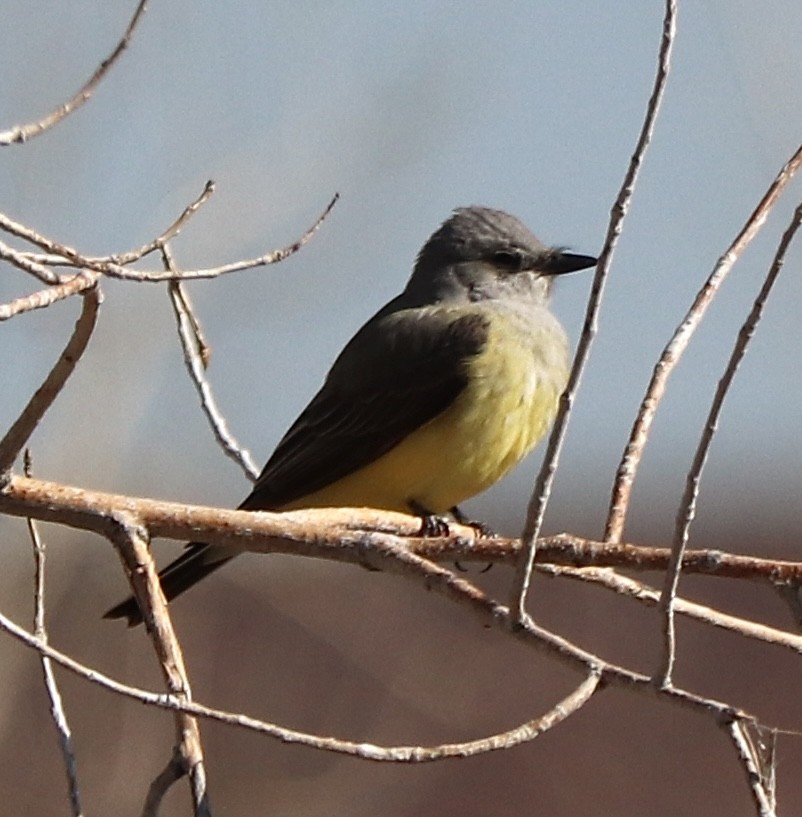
x=383, y=386
x=397, y=373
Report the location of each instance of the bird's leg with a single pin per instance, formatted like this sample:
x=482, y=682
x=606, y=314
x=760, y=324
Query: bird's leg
x=481, y=530
x=431, y=524
x=436, y=525
x=480, y=527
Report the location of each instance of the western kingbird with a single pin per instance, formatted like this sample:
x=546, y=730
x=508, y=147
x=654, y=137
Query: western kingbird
x=434, y=399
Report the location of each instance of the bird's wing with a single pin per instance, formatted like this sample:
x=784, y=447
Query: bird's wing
x=397, y=373
x=388, y=381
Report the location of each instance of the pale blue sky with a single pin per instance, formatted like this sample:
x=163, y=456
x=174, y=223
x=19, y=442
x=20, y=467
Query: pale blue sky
x=530, y=107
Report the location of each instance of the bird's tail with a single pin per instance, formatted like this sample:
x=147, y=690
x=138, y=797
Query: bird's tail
x=197, y=562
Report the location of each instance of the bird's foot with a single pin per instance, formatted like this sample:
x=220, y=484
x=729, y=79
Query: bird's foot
x=482, y=530
x=431, y=524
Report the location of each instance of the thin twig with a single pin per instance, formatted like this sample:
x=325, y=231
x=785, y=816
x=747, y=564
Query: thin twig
x=627, y=469
x=761, y=795
x=272, y=532
x=542, y=490
x=20, y=260
x=45, y=297
x=21, y=133
x=170, y=233
x=366, y=751
x=196, y=333
x=188, y=333
x=40, y=631
x=113, y=266
x=631, y=588
x=24, y=426
x=687, y=508
x=445, y=582
x=59, y=254
x=113, y=270
x=131, y=540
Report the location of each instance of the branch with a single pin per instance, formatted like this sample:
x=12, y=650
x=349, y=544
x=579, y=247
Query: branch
x=759, y=778
x=628, y=467
x=350, y=534
x=687, y=508
x=111, y=266
x=40, y=632
x=624, y=586
x=64, y=255
x=170, y=233
x=123, y=273
x=21, y=430
x=131, y=541
x=542, y=490
x=195, y=358
x=22, y=261
x=21, y=133
x=45, y=297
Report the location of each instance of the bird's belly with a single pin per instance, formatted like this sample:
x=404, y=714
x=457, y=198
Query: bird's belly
x=509, y=402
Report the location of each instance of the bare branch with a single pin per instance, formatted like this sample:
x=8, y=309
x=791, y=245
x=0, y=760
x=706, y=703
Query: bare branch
x=131, y=540
x=542, y=490
x=348, y=534
x=170, y=233
x=63, y=255
x=762, y=794
x=624, y=586
x=45, y=297
x=40, y=632
x=274, y=532
x=489, y=611
x=194, y=359
x=21, y=133
x=367, y=751
x=61, y=252
x=113, y=266
x=627, y=469
x=123, y=273
x=687, y=509
x=23, y=262
x=21, y=430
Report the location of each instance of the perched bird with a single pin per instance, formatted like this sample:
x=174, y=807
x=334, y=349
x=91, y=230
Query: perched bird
x=434, y=399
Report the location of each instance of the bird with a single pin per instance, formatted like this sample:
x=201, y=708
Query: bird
x=436, y=397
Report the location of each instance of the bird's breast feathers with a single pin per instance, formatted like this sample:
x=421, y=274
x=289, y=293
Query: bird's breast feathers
x=513, y=385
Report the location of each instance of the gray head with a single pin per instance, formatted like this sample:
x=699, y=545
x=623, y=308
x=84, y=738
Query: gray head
x=479, y=253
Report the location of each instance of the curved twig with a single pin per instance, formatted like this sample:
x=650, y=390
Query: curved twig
x=687, y=508
x=542, y=490
x=21, y=133
x=19, y=433
x=628, y=467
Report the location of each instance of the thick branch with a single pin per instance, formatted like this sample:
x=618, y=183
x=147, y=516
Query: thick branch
x=131, y=541
x=348, y=534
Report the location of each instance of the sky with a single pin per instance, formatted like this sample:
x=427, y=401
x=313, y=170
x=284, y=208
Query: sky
x=407, y=111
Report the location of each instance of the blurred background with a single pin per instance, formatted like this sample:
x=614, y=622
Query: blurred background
x=407, y=110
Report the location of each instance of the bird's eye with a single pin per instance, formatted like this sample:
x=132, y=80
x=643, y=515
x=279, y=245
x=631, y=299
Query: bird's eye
x=511, y=260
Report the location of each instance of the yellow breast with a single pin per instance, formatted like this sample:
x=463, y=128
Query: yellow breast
x=511, y=398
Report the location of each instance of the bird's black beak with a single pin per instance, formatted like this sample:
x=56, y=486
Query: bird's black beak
x=561, y=263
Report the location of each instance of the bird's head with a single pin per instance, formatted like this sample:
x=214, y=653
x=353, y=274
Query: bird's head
x=479, y=253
